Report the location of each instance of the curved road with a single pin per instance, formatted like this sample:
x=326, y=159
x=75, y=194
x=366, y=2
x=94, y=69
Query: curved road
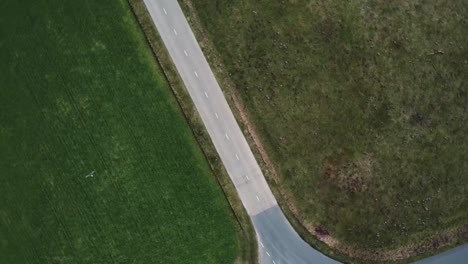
x=277, y=240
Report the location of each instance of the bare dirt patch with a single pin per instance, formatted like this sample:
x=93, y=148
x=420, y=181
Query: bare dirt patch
x=349, y=175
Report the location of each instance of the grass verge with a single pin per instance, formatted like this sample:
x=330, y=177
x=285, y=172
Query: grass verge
x=248, y=238
x=241, y=33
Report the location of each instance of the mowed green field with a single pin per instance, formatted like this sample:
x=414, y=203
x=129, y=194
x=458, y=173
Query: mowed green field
x=81, y=92
x=362, y=106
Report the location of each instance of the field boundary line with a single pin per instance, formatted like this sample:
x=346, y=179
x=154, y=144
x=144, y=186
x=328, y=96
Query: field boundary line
x=160, y=54
x=326, y=244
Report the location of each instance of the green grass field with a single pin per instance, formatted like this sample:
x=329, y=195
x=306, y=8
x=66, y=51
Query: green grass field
x=81, y=92
x=362, y=106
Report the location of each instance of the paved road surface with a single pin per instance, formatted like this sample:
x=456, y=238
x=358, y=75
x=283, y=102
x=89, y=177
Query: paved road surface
x=458, y=255
x=277, y=240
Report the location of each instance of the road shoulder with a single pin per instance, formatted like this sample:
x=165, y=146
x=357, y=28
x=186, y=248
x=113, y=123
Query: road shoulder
x=326, y=244
x=247, y=236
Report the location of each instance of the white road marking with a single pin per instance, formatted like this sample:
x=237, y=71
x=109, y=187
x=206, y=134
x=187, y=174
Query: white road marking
x=206, y=95
x=216, y=114
x=227, y=137
x=186, y=54
x=247, y=176
x=274, y=262
x=196, y=74
x=175, y=32
x=268, y=253
x=165, y=12
x=258, y=199
x=237, y=157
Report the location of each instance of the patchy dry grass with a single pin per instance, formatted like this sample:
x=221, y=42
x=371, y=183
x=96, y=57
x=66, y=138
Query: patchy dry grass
x=362, y=107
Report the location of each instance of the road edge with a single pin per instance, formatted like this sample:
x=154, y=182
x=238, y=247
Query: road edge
x=247, y=235
x=250, y=132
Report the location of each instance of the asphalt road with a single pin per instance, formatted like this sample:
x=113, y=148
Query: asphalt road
x=277, y=240
x=458, y=255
